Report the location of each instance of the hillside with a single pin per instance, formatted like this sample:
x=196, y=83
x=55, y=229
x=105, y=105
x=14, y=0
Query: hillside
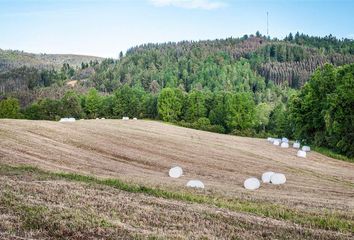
x=29, y=76
x=315, y=203
x=209, y=64
x=215, y=64
x=11, y=59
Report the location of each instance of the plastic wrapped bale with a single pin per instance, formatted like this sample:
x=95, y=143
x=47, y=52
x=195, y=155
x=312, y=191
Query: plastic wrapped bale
x=67, y=120
x=284, y=145
x=276, y=142
x=135, y=119
x=284, y=139
x=306, y=148
x=251, y=183
x=195, y=184
x=63, y=120
x=270, y=139
x=266, y=177
x=125, y=118
x=103, y=118
x=278, y=178
x=301, y=153
x=296, y=145
x=175, y=172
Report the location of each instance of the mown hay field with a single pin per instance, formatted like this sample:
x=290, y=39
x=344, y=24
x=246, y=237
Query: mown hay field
x=109, y=179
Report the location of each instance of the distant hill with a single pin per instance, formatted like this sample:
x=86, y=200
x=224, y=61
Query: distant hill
x=11, y=59
x=21, y=73
x=213, y=64
x=246, y=64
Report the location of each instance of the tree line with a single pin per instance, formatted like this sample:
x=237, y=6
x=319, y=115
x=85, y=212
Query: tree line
x=235, y=112
x=321, y=113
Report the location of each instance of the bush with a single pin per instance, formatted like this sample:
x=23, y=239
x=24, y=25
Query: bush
x=10, y=108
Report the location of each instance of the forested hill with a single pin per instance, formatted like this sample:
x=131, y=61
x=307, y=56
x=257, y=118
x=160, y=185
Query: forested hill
x=11, y=59
x=22, y=74
x=213, y=64
x=249, y=63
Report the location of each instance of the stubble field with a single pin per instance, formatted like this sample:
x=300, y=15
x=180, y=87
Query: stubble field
x=108, y=179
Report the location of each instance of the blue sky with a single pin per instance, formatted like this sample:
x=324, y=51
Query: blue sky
x=106, y=27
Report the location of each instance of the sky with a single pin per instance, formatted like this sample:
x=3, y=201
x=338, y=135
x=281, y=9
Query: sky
x=106, y=27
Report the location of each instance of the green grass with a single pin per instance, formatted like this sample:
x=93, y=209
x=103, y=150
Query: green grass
x=324, y=220
x=330, y=153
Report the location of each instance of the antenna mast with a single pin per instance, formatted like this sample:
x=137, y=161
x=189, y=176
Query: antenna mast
x=267, y=26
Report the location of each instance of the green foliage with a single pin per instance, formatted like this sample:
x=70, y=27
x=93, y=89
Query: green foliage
x=323, y=111
x=149, y=106
x=92, y=103
x=332, y=154
x=279, y=123
x=127, y=102
x=71, y=105
x=239, y=111
x=195, y=107
x=46, y=109
x=170, y=103
x=10, y=108
x=262, y=113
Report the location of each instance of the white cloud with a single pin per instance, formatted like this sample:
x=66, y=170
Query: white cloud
x=189, y=4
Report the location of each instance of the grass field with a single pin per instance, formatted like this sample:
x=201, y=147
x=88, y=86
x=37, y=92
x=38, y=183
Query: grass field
x=107, y=179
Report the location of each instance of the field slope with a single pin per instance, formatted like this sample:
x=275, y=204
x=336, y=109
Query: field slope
x=108, y=178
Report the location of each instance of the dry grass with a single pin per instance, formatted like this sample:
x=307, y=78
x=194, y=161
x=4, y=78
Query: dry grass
x=141, y=152
x=41, y=205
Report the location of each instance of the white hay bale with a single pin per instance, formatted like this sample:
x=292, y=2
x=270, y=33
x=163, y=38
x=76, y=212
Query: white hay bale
x=270, y=139
x=278, y=178
x=301, y=153
x=296, y=145
x=103, y=118
x=195, y=184
x=306, y=148
x=276, y=142
x=97, y=118
x=135, y=119
x=284, y=145
x=285, y=140
x=66, y=120
x=251, y=183
x=266, y=177
x=175, y=172
x=125, y=118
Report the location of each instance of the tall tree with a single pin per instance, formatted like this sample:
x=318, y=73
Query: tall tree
x=92, y=103
x=9, y=108
x=170, y=103
x=71, y=105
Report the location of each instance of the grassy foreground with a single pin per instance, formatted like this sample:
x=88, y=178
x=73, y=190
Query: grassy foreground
x=330, y=153
x=33, y=215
